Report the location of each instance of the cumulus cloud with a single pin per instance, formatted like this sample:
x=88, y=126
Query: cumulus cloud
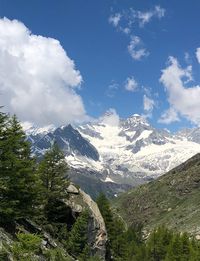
x=169, y=116
x=136, y=50
x=38, y=80
x=110, y=118
x=148, y=103
x=183, y=100
x=131, y=84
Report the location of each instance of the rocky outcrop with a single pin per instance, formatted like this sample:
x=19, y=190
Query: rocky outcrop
x=72, y=189
x=64, y=212
x=97, y=235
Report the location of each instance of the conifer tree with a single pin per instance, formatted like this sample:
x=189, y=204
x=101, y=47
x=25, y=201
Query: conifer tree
x=3, y=122
x=175, y=249
x=53, y=173
x=78, y=235
x=158, y=242
x=106, y=212
x=19, y=182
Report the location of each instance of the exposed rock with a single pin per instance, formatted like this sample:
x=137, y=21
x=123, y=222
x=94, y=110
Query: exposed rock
x=72, y=189
x=76, y=208
x=98, y=234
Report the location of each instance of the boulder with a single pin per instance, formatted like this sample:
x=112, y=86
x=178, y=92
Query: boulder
x=72, y=189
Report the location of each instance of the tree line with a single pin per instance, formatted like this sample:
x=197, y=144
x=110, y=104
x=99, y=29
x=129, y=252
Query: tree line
x=129, y=244
x=35, y=190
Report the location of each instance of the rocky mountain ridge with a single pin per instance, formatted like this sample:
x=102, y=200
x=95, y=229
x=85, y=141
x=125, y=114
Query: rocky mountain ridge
x=121, y=151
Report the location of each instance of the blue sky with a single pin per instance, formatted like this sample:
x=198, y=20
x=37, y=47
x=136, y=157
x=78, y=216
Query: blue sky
x=120, y=49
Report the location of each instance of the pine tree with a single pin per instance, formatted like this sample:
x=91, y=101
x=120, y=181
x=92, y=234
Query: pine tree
x=78, y=235
x=53, y=172
x=175, y=249
x=117, y=245
x=19, y=182
x=3, y=123
x=158, y=242
x=106, y=212
x=186, y=247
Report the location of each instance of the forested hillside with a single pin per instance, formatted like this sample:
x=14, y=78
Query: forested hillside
x=43, y=216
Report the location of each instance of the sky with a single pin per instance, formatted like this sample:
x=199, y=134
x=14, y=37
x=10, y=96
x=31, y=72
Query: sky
x=73, y=60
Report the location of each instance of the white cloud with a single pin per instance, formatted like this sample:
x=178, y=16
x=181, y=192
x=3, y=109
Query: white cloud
x=125, y=30
x=145, y=17
x=198, y=54
x=38, y=80
x=187, y=57
x=148, y=103
x=183, y=100
x=127, y=21
x=112, y=88
x=110, y=118
x=115, y=19
x=159, y=11
x=135, y=49
x=169, y=116
x=131, y=84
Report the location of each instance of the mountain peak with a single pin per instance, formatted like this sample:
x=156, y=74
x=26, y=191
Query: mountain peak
x=137, y=119
x=30, y=128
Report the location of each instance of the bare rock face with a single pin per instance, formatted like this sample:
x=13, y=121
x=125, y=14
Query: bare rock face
x=97, y=229
x=72, y=189
x=97, y=235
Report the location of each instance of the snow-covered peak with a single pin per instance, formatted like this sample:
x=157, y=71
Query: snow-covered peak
x=31, y=129
x=121, y=150
x=136, y=119
x=190, y=134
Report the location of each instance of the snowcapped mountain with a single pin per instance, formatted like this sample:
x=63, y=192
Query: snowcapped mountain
x=132, y=149
x=67, y=138
x=123, y=151
x=191, y=134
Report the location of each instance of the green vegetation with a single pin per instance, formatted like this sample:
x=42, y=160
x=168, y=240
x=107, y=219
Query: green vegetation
x=29, y=190
x=27, y=246
x=19, y=182
x=172, y=199
x=37, y=191
x=129, y=244
x=52, y=171
x=78, y=236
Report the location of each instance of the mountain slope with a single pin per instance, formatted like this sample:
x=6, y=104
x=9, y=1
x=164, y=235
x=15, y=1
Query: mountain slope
x=172, y=199
x=67, y=138
x=132, y=149
x=113, y=151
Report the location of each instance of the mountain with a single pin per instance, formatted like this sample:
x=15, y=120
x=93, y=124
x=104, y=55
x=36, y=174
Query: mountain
x=172, y=200
x=67, y=138
x=191, y=134
x=117, y=153
x=132, y=151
